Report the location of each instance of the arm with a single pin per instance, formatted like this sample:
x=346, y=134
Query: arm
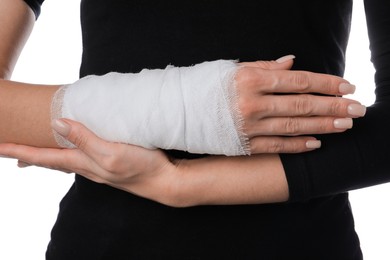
x=118, y=185
x=264, y=123
x=24, y=108
x=25, y=112
x=354, y=159
x=359, y=157
x=222, y=180
x=217, y=107
x=151, y=174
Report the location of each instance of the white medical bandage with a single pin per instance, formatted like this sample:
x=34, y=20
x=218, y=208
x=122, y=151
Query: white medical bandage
x=192, y=109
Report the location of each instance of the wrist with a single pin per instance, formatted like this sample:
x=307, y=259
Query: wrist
x=181, y=188
x=187, y=184
x=220, y=180
x=195, y=182
x=167, y=185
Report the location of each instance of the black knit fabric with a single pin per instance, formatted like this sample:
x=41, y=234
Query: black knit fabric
x=99, y=222
x=35, y=6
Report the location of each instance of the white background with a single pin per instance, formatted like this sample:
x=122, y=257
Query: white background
x=29, y=197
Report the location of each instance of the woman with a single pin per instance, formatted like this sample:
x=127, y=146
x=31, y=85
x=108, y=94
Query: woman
x=235, y=231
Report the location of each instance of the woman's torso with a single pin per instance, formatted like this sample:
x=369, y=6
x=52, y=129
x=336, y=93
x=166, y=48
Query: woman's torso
x=99, y=222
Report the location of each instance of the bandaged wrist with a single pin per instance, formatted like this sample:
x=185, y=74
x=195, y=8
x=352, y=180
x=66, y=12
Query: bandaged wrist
x=192, y=109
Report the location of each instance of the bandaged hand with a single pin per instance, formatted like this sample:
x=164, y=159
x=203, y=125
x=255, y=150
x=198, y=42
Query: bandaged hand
x=219, y=107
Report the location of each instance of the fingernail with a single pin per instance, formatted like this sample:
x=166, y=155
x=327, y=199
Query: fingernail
x=356, y=110
x=285, y=58
x=313, y=144
x=346, y=88
x=61, y=127
x=23, y=164
x=343, y=123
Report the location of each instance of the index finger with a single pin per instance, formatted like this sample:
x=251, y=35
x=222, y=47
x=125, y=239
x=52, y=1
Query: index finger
x=287, y=81
x=53, y=158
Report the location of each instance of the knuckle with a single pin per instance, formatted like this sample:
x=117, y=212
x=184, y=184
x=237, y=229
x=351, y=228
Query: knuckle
x=291, y=126
x=328, y=85
x=110, y=163
x=297, y=145
x=256, y=107
x=116, y=160
x=336, y=108
x=303, y=105
x=264, y=64
x=247, y=108
x=253, y=79
x=294, y=148
x=301, y=80
x=269, y=145
x=325, y=126
x=276, y=146
x=286, y=145
x=243, y=77
x=80, y=141
x=267, y=107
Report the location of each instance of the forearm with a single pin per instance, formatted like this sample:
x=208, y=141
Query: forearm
x=359, y=157
x=24, y=108
x=230, y=180
x=355, y=159
x=25, y=114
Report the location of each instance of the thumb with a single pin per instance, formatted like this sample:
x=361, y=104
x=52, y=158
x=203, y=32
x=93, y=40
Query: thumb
x=283, y=63
x=80, y=136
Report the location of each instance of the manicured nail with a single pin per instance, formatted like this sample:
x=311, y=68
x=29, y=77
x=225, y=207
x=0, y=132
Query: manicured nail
x=285, y=58
x=346, y=88
x=61, y=127
x=343, y=123
x=23, y=164
x=313, y=144
x=356, y=110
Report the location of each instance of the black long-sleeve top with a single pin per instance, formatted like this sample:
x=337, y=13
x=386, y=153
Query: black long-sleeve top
x=359, y=157
x=127, y=36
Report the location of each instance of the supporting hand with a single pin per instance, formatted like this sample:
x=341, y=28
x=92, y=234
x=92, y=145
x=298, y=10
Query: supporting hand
x=131, y=168
x=150, y=174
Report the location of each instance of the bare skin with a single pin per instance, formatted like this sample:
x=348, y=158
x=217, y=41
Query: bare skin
x=25, y=114
x=151, y=174
x=24, y=108
x=25, y=117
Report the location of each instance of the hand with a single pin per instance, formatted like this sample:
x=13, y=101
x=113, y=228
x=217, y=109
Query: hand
x=151, y=174
x=147, y=173
x=277, y=106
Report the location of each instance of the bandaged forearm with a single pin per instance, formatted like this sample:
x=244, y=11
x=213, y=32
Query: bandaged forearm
x=191, y=109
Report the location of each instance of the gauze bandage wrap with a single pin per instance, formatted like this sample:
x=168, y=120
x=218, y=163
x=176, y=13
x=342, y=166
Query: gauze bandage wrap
x=192, y=109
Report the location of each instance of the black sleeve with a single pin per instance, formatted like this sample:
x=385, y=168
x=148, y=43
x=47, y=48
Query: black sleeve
x=35, y=5
x=359, y=157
